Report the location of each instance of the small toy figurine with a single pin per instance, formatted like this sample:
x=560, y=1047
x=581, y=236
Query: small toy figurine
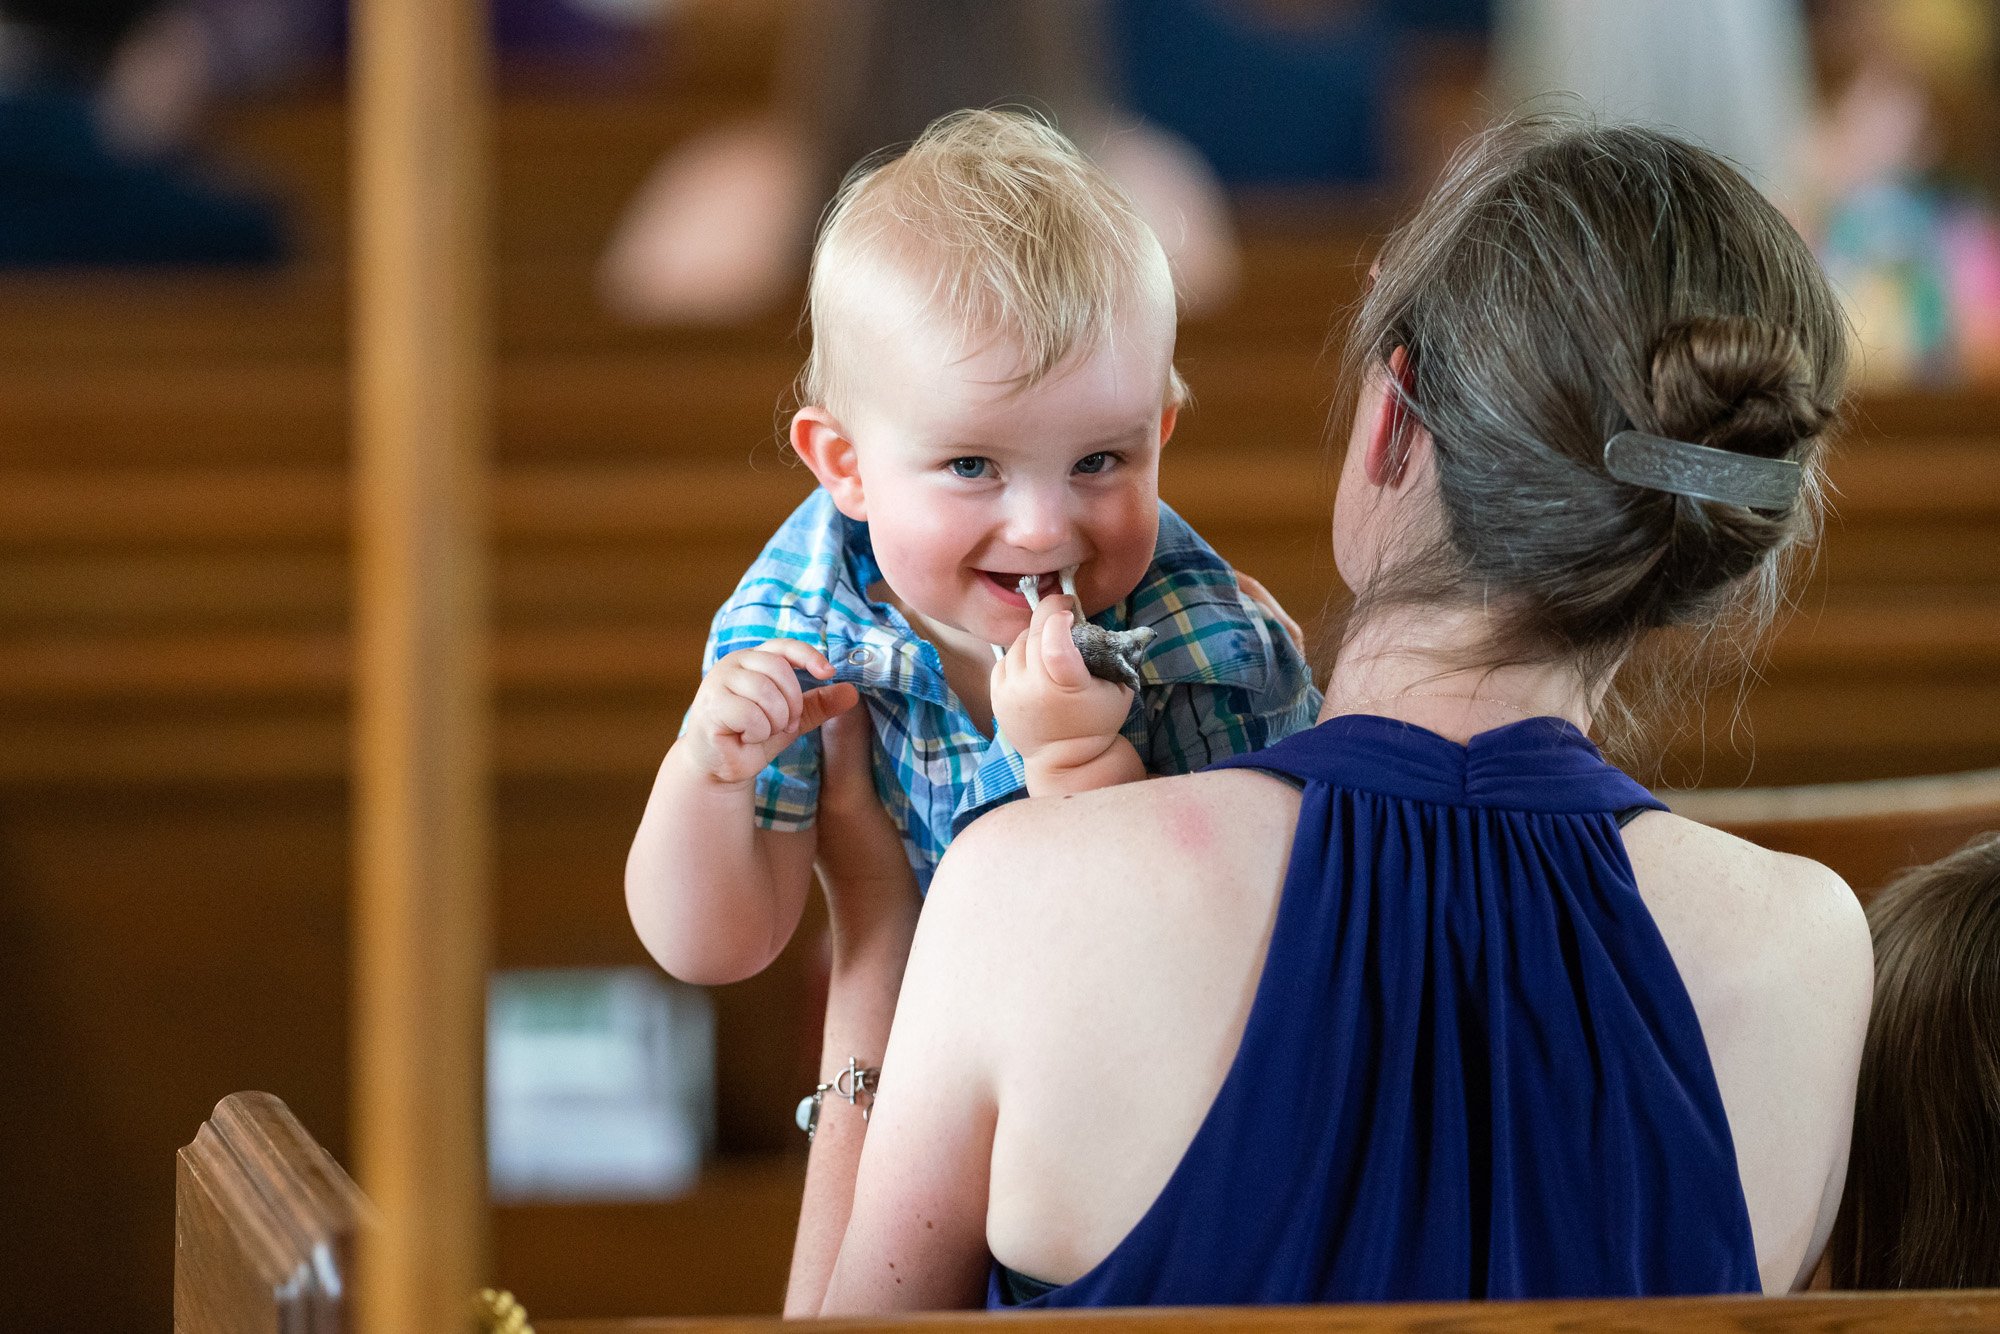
x=1111, y=655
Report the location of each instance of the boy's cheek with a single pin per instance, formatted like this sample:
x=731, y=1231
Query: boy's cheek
x=1125, y=552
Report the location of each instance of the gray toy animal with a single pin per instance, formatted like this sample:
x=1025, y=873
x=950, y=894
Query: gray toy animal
x=1111, y=655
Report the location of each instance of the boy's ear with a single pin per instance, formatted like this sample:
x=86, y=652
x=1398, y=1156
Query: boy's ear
x=820, y=441
x=1170, y=415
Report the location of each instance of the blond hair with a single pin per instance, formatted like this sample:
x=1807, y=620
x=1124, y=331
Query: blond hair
x=1003, y=228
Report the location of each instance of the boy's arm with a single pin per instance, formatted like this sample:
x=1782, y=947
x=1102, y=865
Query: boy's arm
x=713, y=897
x=872, y=905
x=1054, y=775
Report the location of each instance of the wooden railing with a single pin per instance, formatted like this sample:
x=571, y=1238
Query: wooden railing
x=1825, y=1313
x=266, y=1224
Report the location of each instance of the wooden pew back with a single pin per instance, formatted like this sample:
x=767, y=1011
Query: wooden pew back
x=264, y=1224
x=266, y=1219
x=1819, y=1313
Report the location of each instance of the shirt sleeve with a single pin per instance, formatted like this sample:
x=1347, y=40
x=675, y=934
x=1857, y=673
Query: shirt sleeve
x=785, y=795
x=1191, y=725
x=1289, y=701
x=787, y=789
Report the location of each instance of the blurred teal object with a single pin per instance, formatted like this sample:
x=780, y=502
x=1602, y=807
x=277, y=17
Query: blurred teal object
x=1919, y=267
x=600, y=1084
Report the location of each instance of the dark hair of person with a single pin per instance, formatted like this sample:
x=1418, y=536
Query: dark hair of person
x=1565, y=282
x=1922, y=1203
x=77, y=39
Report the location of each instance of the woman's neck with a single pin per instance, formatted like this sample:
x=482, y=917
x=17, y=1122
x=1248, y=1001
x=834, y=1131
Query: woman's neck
x=1418, y=666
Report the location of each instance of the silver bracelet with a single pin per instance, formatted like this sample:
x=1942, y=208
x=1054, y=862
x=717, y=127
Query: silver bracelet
x=852, y=1084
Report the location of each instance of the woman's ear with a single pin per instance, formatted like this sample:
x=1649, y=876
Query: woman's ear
x=823, y=445
x=1394, y=436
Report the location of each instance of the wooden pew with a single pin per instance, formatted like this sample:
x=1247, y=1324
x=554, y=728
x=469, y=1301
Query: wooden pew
x=1867, y=831
x=264, y=1226
x=266, y=1221
x=1823, y=1313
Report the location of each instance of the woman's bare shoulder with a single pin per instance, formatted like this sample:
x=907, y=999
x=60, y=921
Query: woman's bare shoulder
x=1026, y=861
x=1775, y=954
x=1741, y=919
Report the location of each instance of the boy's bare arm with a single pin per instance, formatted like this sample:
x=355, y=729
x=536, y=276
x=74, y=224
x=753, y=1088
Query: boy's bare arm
x=712, y=896
x=1053, y=773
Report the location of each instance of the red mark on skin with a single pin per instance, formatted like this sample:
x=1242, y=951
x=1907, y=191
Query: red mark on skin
x=929, y=1224
x=1189, y=828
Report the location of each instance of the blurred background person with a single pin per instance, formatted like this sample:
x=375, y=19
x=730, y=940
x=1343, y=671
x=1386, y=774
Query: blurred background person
x=719, y=233
x=1359, y=97
x=1733, y=75
x=96, y=99
x=1903, y=166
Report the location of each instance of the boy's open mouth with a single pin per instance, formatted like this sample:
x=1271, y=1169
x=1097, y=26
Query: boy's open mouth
x=1007, y=583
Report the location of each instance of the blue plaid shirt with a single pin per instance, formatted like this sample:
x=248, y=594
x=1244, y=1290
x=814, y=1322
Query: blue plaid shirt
x=1222, y=679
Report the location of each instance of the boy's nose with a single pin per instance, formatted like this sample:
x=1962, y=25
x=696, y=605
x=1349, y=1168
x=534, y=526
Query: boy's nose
x=1037, y=523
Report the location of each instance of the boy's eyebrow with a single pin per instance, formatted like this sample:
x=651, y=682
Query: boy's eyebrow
x=1142, y=430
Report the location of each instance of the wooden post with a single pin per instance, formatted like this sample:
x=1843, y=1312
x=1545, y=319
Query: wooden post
x=421, y=794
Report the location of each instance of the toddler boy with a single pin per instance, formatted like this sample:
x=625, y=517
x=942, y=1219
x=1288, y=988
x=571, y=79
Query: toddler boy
x=990, y=384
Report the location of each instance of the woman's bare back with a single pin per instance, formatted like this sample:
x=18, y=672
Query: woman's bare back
x=1119, y=990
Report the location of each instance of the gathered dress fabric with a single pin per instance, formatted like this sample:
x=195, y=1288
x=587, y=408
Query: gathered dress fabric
x=1471, y=1068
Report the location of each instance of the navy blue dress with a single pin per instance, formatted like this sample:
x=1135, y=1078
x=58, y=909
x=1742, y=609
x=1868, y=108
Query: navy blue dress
x=1471, y=1068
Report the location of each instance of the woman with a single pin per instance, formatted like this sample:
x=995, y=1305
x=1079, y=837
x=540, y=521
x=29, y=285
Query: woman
x=1428, y=1001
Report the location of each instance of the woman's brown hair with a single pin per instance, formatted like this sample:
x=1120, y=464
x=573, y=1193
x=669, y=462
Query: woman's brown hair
x=1922, y=1204
x=1566, y=282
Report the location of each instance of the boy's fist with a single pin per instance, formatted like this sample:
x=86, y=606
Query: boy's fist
x=1046, y=702
x=750, y=707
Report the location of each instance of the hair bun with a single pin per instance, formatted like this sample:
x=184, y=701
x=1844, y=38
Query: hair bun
x=1735, y=382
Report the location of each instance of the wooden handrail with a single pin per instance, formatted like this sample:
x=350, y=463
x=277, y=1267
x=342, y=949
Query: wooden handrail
x=1820, y=1313
x=266, y=1221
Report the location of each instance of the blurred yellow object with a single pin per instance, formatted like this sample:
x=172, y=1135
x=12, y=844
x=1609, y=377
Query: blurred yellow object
x=499, y=1313
x=1946, y=40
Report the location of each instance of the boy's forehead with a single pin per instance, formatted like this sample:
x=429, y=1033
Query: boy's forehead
x=898, y=303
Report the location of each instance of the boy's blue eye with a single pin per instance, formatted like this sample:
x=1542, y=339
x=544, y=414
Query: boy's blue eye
x=1093, y=463
x=967, y=468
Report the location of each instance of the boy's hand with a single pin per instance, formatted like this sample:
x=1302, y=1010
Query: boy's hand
x=751, y=706
x=1045, y=700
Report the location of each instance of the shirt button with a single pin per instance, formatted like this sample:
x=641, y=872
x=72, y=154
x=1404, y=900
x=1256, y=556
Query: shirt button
x=861, y=657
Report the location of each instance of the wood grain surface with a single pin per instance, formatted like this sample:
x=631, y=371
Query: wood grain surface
x=264, y=1226
x=1830, y=1313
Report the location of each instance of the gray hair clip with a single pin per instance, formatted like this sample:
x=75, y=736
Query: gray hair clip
x=1703, y=472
